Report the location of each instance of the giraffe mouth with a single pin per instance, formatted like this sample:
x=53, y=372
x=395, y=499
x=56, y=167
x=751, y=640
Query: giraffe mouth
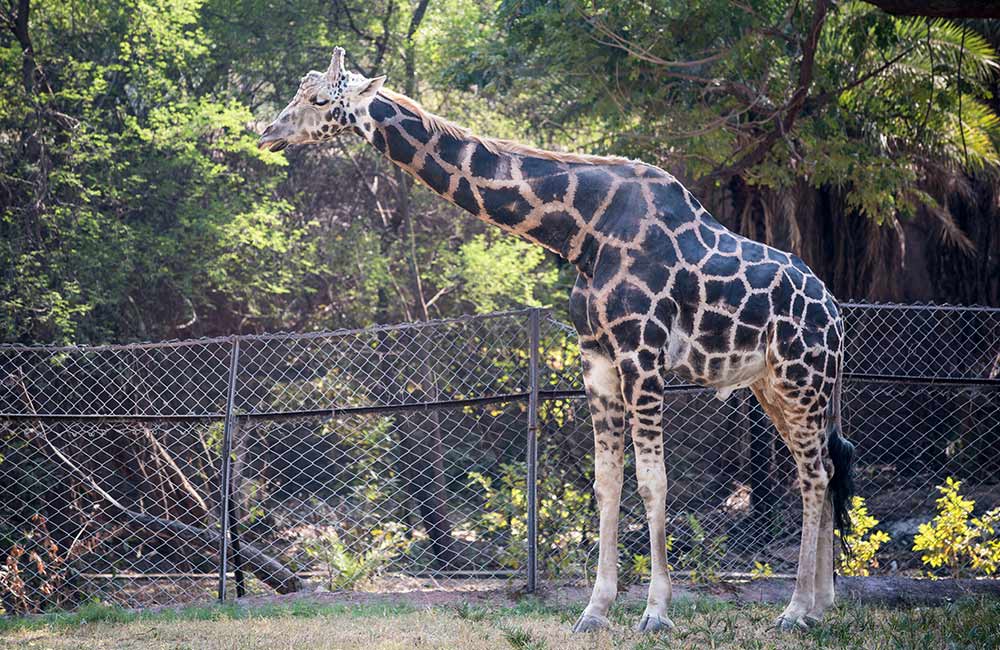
x=276, y=144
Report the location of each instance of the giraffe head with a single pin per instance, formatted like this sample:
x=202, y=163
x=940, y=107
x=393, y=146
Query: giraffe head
x=325, y=104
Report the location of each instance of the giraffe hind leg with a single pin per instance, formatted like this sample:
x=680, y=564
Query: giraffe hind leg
x=805, y=436
x=824, y=567
x=838, y=459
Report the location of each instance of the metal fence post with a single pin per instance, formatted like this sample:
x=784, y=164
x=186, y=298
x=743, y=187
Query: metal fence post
x=226, y=467
x=532, y=459
x=233, y=514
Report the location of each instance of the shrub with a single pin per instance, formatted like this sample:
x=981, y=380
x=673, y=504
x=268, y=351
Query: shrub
x=705, y=555
x=347, y=569
x=565, y=516
x=633, y=570
x=35, y=574
x=957, y=541
x=863, y=541
x=761, y=570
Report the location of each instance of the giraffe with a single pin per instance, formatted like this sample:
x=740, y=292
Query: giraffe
x=662, y=288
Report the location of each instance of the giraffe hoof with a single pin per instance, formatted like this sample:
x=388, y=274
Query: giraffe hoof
x=810, y=620
x=591, y=623
x=787, y=623
x=654, y=623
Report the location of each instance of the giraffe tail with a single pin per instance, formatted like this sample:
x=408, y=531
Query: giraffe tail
x=841, y=488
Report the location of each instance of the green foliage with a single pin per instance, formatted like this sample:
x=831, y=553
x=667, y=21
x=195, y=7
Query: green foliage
x=704, y=557
x=955, y=540
x=519, y=638
x=863, y=541
x=565, y=518
x=640, y=568
x=149, y=199
x=893, y=100
x=136, y=205
x=468, y=612
x=500, y=273
x=761, y=570
x=347, y=568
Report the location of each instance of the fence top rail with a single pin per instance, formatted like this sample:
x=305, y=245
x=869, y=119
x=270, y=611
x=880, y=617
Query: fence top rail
x=920, y=306
x=176, y=343
x=269, y=336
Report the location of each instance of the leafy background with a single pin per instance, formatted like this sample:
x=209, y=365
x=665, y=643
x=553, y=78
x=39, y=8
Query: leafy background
x=135, y=205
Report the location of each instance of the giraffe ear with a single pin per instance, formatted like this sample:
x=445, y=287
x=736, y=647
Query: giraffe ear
x=371, y=87
x=336, y=64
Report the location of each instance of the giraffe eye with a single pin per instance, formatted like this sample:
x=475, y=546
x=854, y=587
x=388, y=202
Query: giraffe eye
x=320, y=102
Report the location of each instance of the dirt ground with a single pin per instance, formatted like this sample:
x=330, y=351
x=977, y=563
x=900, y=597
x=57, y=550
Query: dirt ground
x=497, y=593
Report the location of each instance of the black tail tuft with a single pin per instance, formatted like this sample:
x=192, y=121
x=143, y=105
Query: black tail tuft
x=841, y=487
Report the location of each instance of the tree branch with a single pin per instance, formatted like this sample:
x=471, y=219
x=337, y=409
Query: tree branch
x=266, y=568
x=794, y=105
x=18, y=25
x=819, y=100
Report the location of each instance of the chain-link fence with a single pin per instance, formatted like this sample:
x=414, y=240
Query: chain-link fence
x=453, y=450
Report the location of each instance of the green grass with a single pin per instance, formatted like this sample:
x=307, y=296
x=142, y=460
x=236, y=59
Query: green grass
x=95, y=612
x=530, y=624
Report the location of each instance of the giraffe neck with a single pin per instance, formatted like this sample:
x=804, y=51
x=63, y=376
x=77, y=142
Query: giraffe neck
x=529, y=196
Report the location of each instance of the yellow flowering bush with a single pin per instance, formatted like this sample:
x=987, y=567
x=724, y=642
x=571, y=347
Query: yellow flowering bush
x=761, y=570
x=863, y=542
x=957, y=541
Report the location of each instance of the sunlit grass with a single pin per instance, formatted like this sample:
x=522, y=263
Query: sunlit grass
x=530, y=624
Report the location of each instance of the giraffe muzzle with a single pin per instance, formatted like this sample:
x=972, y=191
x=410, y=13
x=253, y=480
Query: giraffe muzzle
x=270, y=141
x=272, y=145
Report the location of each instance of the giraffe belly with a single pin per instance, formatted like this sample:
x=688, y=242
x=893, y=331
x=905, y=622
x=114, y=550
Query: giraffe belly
x=741, y=376
x=726, y=372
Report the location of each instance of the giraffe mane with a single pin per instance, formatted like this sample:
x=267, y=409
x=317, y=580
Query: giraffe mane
x=437, y=124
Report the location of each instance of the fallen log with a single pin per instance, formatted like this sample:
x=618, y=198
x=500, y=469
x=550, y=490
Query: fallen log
x=267, y=569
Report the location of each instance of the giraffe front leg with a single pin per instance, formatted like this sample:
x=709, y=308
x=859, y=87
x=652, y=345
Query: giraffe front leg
x=608, y=416
x=651, y=477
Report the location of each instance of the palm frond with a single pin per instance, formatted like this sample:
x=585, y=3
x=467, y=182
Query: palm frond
x=939, y=45
x=971, y=136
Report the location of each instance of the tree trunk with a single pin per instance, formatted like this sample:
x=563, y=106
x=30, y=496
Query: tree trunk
x=423, y=448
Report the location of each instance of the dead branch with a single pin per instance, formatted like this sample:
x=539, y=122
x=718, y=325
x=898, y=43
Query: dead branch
x=266, y=568
x=172, y=464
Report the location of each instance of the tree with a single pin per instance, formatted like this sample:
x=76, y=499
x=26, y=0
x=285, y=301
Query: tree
x=793, y=121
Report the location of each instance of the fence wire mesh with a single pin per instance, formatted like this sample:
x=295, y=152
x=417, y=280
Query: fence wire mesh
x=393, y=457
